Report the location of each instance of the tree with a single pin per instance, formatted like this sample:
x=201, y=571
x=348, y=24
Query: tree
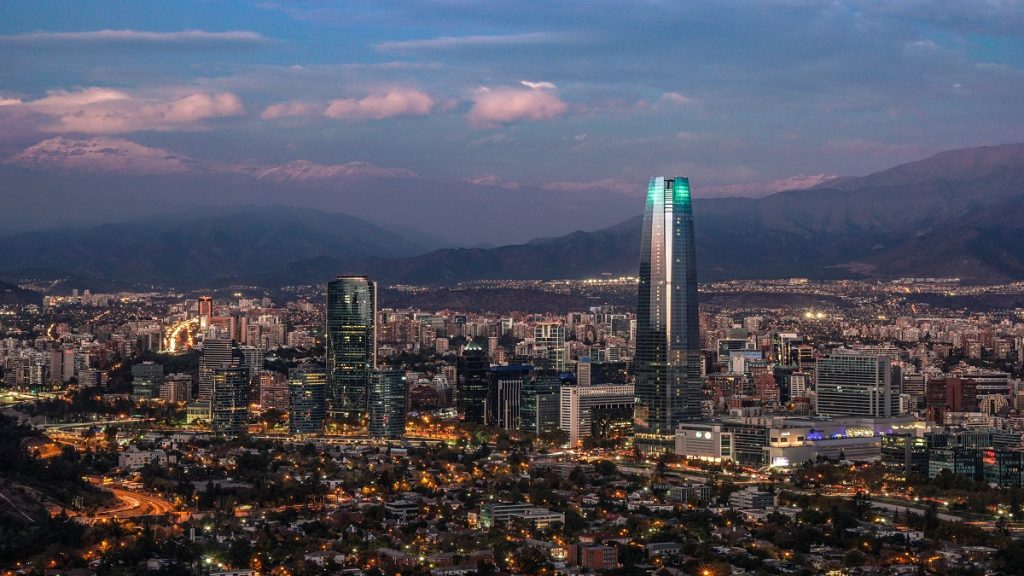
x=605, y=467
x=861, y=504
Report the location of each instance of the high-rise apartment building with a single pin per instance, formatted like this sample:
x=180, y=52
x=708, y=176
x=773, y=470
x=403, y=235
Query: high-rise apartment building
x=668, y=381
x=351, y=343
x=387, y=403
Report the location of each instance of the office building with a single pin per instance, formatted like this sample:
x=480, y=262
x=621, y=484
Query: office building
x=905, y=456
x=217, y=353
x=504, y=395
x=471, y=394
x=540, y=402
x=387, y=403
x=351, y=343
x=229, y=407
x=950, y=394
x=146, y=380
x=583, y=372
x=854, y=384
x=307, y=400
x=549, y=340
x=499, y=514
x=252, y=360
x=668, y=366
x=601, y=411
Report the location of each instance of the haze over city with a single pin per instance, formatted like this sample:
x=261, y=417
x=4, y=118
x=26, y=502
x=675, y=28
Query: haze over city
x=459, y=288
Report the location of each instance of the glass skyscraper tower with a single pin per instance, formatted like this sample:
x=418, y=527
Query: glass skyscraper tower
x=668, y=381
x=351, y=343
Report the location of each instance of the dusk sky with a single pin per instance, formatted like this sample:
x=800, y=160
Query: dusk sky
x=737, y=95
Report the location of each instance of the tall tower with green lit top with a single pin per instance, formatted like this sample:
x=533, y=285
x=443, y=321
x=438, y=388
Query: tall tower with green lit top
x=668, y=381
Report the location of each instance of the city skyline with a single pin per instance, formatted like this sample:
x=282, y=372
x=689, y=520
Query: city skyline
x=317, y=288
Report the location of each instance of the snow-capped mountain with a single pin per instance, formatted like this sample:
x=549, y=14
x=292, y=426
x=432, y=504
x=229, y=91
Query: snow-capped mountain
x=101, y=155
x=305, y=171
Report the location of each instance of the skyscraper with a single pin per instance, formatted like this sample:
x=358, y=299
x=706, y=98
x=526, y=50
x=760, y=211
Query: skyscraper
x=351, y=342
x=387, y=403
x=668, y=383
x=307, y=399
x=550, y=338
x=229, y=406
x=471, y=392
x=217, y=353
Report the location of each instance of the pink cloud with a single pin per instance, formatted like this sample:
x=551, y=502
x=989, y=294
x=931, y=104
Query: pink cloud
x=287, y=110
x=397, y=102
x=495, y=106
x=98, y=110
x=493, y=181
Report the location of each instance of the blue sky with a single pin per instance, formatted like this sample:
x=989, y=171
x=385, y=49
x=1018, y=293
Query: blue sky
x=737, y=95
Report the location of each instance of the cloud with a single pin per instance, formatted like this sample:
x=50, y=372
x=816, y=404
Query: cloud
x=494, y=181
x=397, y=102
x=476, y=41
x=495, y=106
x=538, y=85
x=59, y=100
x=616, y=185
x=99, y=110
x=678, y=99
x=135, y=37
x=288, y=109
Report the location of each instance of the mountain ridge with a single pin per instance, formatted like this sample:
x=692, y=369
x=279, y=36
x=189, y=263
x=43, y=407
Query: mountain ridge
x=967, y=221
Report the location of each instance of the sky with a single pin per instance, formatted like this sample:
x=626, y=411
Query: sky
x=743, y=97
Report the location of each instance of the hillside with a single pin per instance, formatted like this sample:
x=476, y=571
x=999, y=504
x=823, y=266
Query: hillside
x=196, y=247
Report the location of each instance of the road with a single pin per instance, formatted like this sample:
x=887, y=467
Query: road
x=131, y=504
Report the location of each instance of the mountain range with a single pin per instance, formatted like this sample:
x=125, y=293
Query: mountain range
x=66, y=181
x=958, y=213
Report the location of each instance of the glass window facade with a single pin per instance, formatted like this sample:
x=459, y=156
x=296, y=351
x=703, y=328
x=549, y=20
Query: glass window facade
x=351, y=342
x=668, y=382
x=307, y=400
